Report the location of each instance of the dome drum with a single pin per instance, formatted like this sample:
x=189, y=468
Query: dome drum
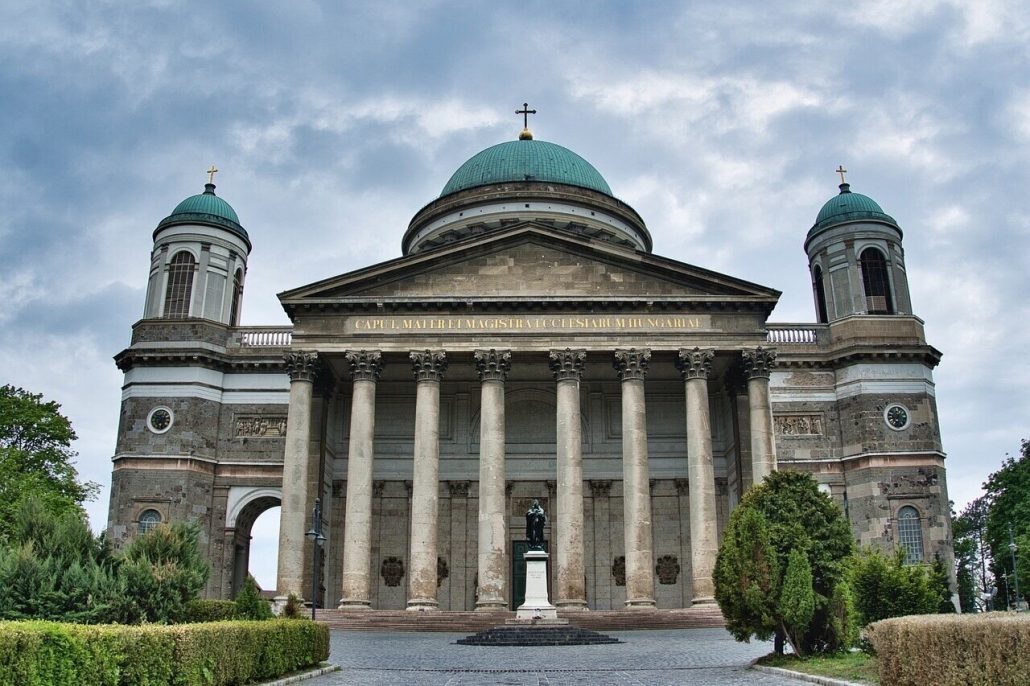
x=471, y=211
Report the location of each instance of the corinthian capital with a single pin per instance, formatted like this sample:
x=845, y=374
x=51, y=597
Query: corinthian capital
x=428, y=365
x=632, y=363
x=758, y=362
x=492, y=365
x=301, y=366
x=695, y=364
x=568, y=363
x=365, y=365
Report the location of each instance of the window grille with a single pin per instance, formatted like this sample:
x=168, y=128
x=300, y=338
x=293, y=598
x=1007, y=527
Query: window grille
x=180, y=285
x=910, y=534
x=148, y=519
x=877, y=283
x=237, y=295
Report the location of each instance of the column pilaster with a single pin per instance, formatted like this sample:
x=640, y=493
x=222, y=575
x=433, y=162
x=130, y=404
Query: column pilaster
x=428, y=367
x=355, y=591
x=567, y=366
x=758, y=364
x=695, y=366
x=492, y=366
x=302, y=368
x=631, y=366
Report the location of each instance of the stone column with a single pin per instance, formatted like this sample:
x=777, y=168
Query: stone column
x=694, y=366
x=757, y=365
x=355, y=592
x=295, y=515
x=493, y=366
x=428, y=367
x=631, y=366
x=567, y=366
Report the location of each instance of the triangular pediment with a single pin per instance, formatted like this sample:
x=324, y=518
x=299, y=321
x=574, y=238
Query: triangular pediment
x=528, y=262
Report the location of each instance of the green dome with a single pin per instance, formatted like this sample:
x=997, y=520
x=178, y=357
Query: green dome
x=526, y=160
x=206, y=208
x=849, y=207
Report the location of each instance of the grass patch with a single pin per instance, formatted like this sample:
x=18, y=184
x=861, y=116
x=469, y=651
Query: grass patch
x=857, y=666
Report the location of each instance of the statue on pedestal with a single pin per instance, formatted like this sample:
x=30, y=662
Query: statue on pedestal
x=535, y=520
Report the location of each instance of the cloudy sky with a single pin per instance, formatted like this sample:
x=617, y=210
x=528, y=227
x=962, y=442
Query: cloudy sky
x=332, y=123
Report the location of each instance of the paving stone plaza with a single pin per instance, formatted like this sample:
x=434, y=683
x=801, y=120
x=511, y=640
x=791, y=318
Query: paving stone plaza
x=655, y=658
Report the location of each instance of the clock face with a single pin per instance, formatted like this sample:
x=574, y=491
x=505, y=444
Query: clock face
x=160, y=420
x=896, y=417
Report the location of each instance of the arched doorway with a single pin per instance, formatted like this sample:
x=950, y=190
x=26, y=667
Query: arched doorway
x=252, y=524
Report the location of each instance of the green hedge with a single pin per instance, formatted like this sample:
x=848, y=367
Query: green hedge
x=209, y=654
x=210, y=610
x=950, y=650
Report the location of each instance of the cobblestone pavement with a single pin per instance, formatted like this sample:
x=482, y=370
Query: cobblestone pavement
x=651, y=658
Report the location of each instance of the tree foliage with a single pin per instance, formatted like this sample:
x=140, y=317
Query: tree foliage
x=972, y=556
x=36, y=459
x=794, y=516
x=250, y=604
x=797, y=601
x=1008, y=496
x=885, y=587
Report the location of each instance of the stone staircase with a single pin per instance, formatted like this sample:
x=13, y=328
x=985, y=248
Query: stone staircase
x=701, y=616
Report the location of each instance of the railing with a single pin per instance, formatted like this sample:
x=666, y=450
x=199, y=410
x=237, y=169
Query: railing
x=266, y=337
x=798, y=334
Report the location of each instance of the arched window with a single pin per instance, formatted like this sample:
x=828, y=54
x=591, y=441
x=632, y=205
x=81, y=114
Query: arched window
x=237, y=296
x=148, y=519
x=820, y=294
x=910, y=534
x=878, y=298
x=180, y=285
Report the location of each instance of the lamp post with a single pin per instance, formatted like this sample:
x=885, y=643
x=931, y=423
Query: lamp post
x=1015, y=575
x=317, y=539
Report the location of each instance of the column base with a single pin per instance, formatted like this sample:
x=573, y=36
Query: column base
x=422, y=605
x=640, y=604
x=351, y=604
x=491, y=606
x=702, y=600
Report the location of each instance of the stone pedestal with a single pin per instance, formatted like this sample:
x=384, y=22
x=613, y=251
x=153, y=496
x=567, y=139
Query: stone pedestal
x=537, y=605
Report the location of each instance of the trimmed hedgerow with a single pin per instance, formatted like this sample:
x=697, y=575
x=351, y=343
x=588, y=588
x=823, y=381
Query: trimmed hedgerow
x=209, y=654
x=953, y=650
x=210, y=610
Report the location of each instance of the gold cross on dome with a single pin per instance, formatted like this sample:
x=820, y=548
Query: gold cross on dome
x=525, y=112
x=211, y=174
x=842, y=171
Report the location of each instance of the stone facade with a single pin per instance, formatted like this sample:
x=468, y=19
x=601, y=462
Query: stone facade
x=427, y=400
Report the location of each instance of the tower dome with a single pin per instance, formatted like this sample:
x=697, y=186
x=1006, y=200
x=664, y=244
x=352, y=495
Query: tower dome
x=848, y=207
x=206, y=209
x=525, y=180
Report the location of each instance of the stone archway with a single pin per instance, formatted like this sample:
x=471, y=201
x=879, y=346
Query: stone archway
x=245, y=505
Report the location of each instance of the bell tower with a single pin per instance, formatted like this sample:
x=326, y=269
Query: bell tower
x=855, y=258
x=199, y=261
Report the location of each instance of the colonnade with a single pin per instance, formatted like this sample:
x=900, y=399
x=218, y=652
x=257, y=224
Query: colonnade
x=492, y=365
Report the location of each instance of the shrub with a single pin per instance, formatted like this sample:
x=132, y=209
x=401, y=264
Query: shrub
x=161, y=571
x=213, y=654
x=211, y=611
x=797, y=517
x=886, y=587
x=291, y=610
x=250, y=604
x=952, y=650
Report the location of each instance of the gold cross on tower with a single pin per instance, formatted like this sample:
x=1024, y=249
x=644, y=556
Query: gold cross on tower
x=211, y=174
x=526, y=134
x=842, y=171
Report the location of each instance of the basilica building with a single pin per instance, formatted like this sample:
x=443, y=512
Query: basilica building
x=527, y=344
